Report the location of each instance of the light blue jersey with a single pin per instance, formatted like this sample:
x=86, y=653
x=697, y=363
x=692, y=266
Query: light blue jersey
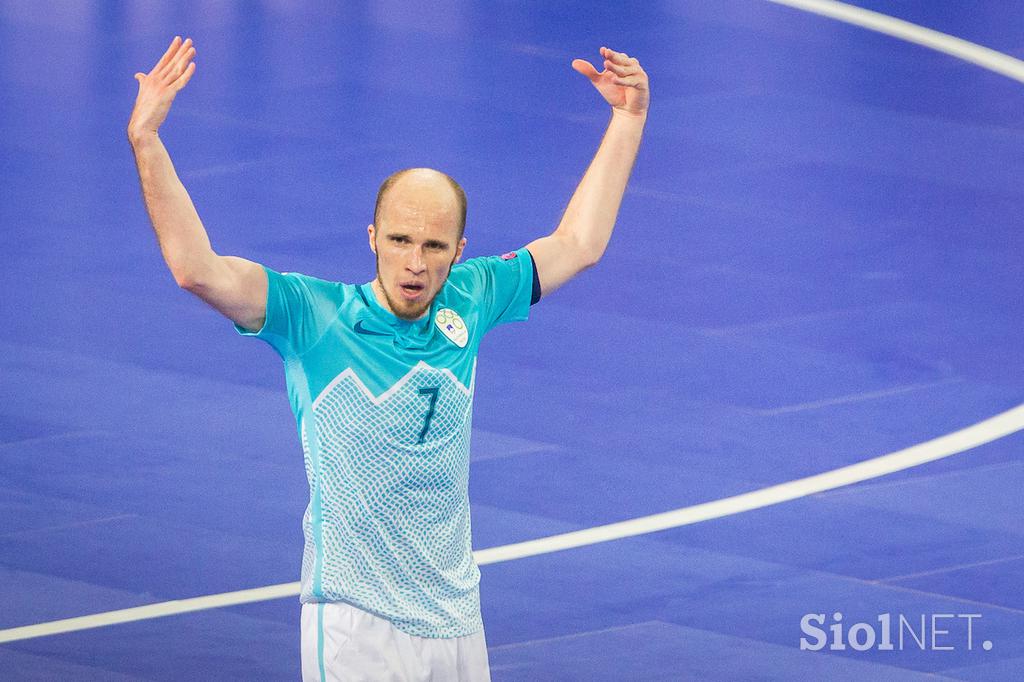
x=383, y=407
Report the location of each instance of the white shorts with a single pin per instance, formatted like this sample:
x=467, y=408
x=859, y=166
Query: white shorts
x=341, y=643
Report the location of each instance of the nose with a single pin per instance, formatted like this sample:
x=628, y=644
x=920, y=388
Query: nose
x=416, y=263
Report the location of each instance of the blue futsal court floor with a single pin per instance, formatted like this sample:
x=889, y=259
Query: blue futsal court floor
x=818, y=263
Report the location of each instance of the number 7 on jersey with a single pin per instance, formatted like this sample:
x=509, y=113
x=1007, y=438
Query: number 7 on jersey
x=432, y=392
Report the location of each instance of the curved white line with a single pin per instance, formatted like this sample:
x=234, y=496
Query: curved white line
x=984, y=57
x=983, y=432
x=991, y=429
x=167, y=608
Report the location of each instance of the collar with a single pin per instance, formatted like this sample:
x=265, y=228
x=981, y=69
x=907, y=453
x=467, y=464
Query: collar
x=406, y=333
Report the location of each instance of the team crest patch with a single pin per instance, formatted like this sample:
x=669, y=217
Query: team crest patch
x=452, y=326
x=509, y=256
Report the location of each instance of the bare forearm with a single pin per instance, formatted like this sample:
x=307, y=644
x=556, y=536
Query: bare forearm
x=183, y=240
x=582, y=235
x=590, y=216
x=234, y=286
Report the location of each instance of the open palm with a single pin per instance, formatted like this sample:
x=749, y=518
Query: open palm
x=158, y=88
x=623, y=82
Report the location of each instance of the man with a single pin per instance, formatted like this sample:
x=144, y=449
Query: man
x=380, y=377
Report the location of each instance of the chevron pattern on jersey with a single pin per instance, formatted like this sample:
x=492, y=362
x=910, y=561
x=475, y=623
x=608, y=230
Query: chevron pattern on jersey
x=393, y=476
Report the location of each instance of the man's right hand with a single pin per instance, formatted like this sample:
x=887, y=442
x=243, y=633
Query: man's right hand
x=158, y=88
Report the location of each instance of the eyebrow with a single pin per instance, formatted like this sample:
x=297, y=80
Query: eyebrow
x=435, y=243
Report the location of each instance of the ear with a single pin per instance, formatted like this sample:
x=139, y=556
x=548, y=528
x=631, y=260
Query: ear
x=458, y=250
x=372, y=234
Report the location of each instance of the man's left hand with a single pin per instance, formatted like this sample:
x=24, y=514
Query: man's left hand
x=623, y=83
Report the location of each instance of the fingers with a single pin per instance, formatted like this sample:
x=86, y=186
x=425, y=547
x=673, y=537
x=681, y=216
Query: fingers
x=180, y=59
x=620, y=70
x=623, y=82
x=182, y=63
x=621, y=64
x=619, y=58
x=185, y=77
x=179, y=62
x=632, y=82
x=586, y=68
x=171, y=51
x=627, y=69
x=175, y=67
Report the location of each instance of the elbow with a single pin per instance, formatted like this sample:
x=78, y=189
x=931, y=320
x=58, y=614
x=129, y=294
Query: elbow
x=584, y=255
x=588, y=257
x=591, y=259
x=193, y=274
x=186, y=280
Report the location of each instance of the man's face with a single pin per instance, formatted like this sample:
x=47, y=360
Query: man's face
x=416, y=243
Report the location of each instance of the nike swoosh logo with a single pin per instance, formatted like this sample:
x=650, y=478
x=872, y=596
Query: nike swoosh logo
x=362, y=330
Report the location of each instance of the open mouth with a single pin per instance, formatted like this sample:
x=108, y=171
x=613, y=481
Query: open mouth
x=411, y=289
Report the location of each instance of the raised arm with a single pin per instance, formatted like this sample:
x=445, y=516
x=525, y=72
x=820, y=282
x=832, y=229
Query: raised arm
x=234, y=286
x=580, y=239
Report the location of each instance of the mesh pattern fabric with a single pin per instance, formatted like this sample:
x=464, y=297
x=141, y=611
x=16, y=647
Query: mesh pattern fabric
x=392, y=473
x=387, y=526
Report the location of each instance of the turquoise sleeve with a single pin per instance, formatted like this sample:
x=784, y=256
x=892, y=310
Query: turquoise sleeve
x=293, y=320
x=504, y=285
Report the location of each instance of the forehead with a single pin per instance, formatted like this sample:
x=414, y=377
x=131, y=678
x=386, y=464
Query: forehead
x=420, y=203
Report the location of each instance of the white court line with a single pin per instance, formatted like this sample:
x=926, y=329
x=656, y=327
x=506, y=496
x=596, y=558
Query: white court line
x=984, y=57
x=167, y=608
x=983, y=432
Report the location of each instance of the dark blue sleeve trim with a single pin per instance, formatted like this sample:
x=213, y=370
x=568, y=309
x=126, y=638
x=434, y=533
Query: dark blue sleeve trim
x=535, y=295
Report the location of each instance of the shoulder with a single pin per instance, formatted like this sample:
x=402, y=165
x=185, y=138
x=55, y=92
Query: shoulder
x=308, y=280
x=483, y=269
x=323, y=296
x=313, y=285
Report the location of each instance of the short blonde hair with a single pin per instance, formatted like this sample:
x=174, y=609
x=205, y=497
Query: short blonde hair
x=385, y=187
